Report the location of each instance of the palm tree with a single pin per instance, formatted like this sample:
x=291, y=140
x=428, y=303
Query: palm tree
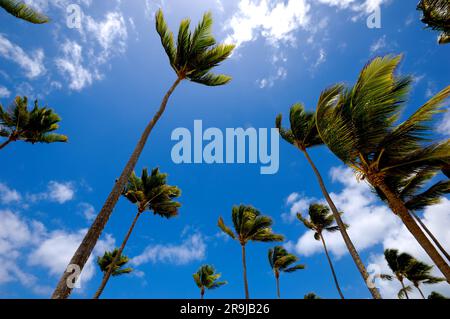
x=22, y=11
x=399, y=264
x=360, y=127
x=436, y=15
x=281, y=261
x=206, y=278
x=108, y=259
x=249, y=225
x=311, y=295
x=303, y=135
x=410, y=190
x=35, y=126
x=420, y=273
x=320, y=220
x=195, y=55
x=149, y=193
x=436, y=295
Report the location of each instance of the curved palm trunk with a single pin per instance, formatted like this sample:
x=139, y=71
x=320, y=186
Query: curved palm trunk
x=348, y=242
x=4, y=144
x=277, y=277
x=404, y=289
x=87, y=245
x=116, y=258
x=332, y=268
x=399, y=208
x=430, y=234
x=244, y=265
x=202, y=293
x=420, y=290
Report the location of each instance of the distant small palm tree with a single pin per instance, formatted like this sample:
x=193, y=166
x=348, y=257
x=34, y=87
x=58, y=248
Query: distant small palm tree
x=149, y=193
x=399, y=264
x=436, y=295
x=281, y=261
x=436, y=14
x=420, y=273
x=206, y=278
x=35, y=126
x=249, y=225
x=311, y=295
x=106, y=261
x=320, y=220
x=22, y=11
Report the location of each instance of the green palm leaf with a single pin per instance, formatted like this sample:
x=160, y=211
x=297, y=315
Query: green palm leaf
x=22, y=11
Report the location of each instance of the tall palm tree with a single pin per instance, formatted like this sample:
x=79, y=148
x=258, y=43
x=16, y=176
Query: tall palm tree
x=207, y=278
x=35, y=126
x=193, y=58
x=320, y=220
x=148, y=193
x=436, y=15
x=249, y=225
x=281, y=261
x=420, y=273
x=410, y=190
x=360, y=127
x=109, y=259
x=22, y=11
x=399, y=264
x=303, y=135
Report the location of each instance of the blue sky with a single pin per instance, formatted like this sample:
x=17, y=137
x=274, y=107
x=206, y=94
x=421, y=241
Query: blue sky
x=107, y=78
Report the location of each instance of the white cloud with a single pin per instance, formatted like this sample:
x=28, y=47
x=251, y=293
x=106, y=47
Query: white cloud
x=4, y=92
x=273, y=21
x=297, y=204
x=8, y=195
x=320, y=59
x=378, y=45
x=88, y=211
x=71, y=66
x=444, y=125
x=59, y=192
x=32, y=64
x=269, y=82
x=191, y=249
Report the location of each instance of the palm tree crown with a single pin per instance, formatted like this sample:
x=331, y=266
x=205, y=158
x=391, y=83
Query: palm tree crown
x=22, y=11
x=207, y=278
x=320, y=219
x=150, y=192
x=195, y=54
x=106, y=260
x=35, y=126
x=250, y=225
x=420, y=273
x=281, y=261
x=399, y=264
x=436, y=14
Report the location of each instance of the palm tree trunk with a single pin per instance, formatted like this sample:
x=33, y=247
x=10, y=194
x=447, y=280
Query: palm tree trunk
x=277, y=277
x=83, y=252
x=348, y=242
x=5, y=143
x=116, y=258
x=404, y=289
x=332, y=268
x=202, y=293
x=244, y=265
x=399, y=208
x=430, y=234
x=420, y=290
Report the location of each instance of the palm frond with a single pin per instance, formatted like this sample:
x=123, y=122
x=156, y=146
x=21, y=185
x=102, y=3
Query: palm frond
x=23, y=11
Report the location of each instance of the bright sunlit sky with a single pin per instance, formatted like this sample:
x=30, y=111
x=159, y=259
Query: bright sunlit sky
x=107, y=79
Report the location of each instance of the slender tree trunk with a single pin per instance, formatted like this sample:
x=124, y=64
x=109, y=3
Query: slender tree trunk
x=348, y=242
x=116, y=258
x=332, y=268
x=244, y=265
x=430, y=234
x=5, y=143
x=202, y=293
x=399, y=208
x=83, y=252
x=404, y=289
x=277, y=277
x=420, y=290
